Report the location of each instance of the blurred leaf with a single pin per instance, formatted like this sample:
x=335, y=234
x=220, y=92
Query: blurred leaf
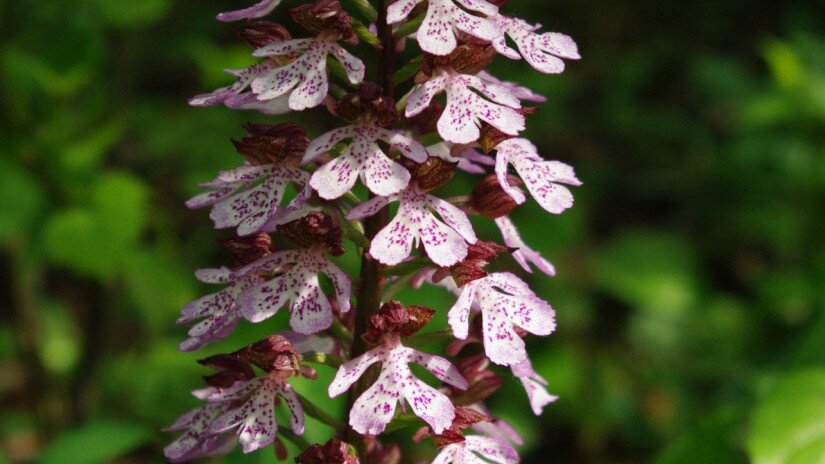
x=712, y=441
x=96, y=442
x=85, y=155
x=22, y=199
x=785, y=63
x=158, y=286
x=788, y=425
x=28, y=69
x=132, y=14
x=60, y=341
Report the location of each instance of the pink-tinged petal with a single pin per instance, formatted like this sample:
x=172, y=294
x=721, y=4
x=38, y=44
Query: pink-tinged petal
x=481, y=28
x=272, y=262
x=531, y=51
x=334, y=179
x=196, y=423
x=257, y=10
x=283, y=47
x=324, y=143
x=542, y=184
x=497, y=93
x=531, y=314
x=444, y=245
x=421, y=96
x=491, y=449
x=501, y=343
x=353, y=66
x=500, y=45
x=408, y=146
x=450, y=454
x=455, y=218
x=393, y=243
x=501, y=117
x=498, y=429
x=262, y=301
x=382, y=176
x=349, y=372
x=275, y=83
x=510, y=283
x=559, y=45
x=219, y=275
x=534, y=385
x=457, y=123
x=311, y=311
x=481, y=6
x=312, y=89
x=478, y=157
x=249, y=101
x=459, y=315
x=212, y=330
x=244, y=78
x=520, y=92
x=293, y=405
x=341, y=282
x=441, y=368
x=523, y=254
x=435, y=35
x=400, y=10
x=240, y=390
x=432, y=406
x=210, y=198
x=502, y=160
x=244, y=174
x=255, y=419
x=251, y=209
x=368, y=208
x=374, y=409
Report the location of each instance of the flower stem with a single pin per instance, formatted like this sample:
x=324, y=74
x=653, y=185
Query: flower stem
x=370, y=279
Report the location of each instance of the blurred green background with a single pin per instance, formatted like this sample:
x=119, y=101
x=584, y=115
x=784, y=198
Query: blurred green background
x=691, y=286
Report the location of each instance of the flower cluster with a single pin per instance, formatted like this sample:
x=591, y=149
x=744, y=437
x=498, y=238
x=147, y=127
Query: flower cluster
x=294, y=207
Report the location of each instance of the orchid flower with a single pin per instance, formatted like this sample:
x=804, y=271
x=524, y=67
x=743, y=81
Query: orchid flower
x=296, y=285
x=444, y=20
x=542, y=51
x=445, y=241
x=373, y=410
x=505, y=301
x=258, y=10
x=542, y=178
x=534, y=385
x=362, y=157
x=465, y=109
x=476, y=449
x=238, y=202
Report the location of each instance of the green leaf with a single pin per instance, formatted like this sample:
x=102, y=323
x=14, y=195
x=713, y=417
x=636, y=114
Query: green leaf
x=22, y=199
x=97, y=442
x=410, y=26
x=788, y=425
x=312, y=410
x=363, y=33
x=408, y=70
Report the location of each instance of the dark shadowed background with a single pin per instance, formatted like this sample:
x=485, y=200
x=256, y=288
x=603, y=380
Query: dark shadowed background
x=691, y=286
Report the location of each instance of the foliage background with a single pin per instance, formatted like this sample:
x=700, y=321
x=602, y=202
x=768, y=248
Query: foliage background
x=691, y=291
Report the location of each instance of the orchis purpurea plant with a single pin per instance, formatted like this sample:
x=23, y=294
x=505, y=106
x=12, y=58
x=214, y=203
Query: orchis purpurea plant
x=405, y=131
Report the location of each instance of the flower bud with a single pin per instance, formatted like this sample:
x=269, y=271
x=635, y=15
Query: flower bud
x=434, y=173
x=249, y=248
x=315, y=229
x=325, y=15
x=230, y=370
x=472, y=267
x=395, y=318
x=268, y=144
x=467, y=58
x=483, y=382
x=490, y=200
x=259, y=34
x=333, y=452
x=274, y=353
x=369, y=101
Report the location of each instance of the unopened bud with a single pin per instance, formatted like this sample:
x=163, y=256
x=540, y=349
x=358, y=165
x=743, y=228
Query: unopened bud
x=268, y=144
x=325, y=15
x=259, y=34
x=472, y=267
x=229, y=370
x=467, y=58
x=315, y=229
x=434, y=173
x=333, y=452
x=248, y=249
x=369, y=100
x=395, y=318
x=274, y=353
x=490, y=200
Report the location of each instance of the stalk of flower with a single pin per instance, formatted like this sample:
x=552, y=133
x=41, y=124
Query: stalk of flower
x=300, y=192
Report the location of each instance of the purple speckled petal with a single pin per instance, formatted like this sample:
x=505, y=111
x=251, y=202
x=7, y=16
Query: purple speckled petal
x=368, y=208
x=311, y=311
x=534, y=385
x=248, y=101
x=341, y=281
x=352, y=370
x=382, y=175
x=393, y=243
x=432, y=406
x=494, y=92
x=283, y=47
x=408, y=146
x=353, y=66
x=335, y=178
x=324, y=143
x=219, y=275
x=312, y=88
x=293, y=405
x=441, y=368
x=543, y=52
x=421, y=96
x=524, y=254
x=542, y=178
x=262, y=301
x=257, y=10
x=459, y=315
x=400, y=10
x=254, y=421
x=520, y=92
x=501, y=342
x=245, y=78
x=460, y=120
x=196, y=425
x=455, y=218
x=491, y=449
x=373, y=410
x=443, y=244
x=436, y=35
